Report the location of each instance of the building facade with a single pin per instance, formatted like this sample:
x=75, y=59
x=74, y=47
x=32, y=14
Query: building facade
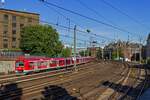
x=11, y=23
x=148, y=47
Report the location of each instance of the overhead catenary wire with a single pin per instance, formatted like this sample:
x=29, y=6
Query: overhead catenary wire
x=95, y=12
x=70, y=20
x=2, y=36
x=124, y=13
x=64, y=16
x=89, y=18
x=65, y=27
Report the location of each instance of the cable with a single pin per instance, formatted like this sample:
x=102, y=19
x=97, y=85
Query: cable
x=50, y=23
x=67, y=18
x=89, y=18
x=94, y=11
x=123, y=13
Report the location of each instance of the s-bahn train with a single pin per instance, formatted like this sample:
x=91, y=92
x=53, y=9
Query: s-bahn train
x=34, y=64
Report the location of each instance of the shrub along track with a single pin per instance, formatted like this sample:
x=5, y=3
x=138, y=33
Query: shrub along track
x=78, y=84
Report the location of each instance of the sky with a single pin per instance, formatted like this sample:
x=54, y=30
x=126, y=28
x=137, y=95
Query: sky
x=137, y=9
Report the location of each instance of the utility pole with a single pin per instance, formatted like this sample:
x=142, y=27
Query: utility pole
x=109, y=54
x=140, y=48
x=88, y=49
x=117, y=51
x=75, y=27
x=85, y=48
x=102, y=54
x=117, y=48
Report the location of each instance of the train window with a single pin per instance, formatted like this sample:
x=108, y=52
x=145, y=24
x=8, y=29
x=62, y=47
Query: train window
x=31, y=64
x=61, y=61
x=53, y=62
x=43, y=63
x=20, y=63
x=38, y=63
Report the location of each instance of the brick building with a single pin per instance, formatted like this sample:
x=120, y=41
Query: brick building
x=11, y=23
x=128, y=51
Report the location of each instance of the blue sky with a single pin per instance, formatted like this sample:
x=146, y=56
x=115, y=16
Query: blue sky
x=139, y=9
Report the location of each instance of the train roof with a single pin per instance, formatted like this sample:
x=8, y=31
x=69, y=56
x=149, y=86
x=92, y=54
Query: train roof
x=58, y=59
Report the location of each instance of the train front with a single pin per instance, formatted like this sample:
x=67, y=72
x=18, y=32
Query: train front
x=19, y=66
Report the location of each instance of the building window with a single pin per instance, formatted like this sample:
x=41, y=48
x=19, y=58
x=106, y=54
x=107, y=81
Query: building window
x=5, y=27
x=13, y=39
x=14, y=32
x=5, y=40
x=14, y=25
x=21, y=26
x=5, y=45
x=14, y=18
x=5, y=17
x=5, y=33
x=14, y=44
x=30, y=20
x=22, y=19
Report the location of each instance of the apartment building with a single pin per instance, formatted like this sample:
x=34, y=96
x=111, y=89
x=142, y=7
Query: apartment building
x=11, y=23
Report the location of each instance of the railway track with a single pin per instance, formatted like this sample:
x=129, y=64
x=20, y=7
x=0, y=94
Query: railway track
x=19, y=78
x=27, y=80
x=126, y=84
x=73, y=85
x=144, y=85
x=127, y=88
x=136, y=86
x=39, y=87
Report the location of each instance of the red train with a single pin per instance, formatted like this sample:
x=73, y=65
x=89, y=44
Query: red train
x=34, y=64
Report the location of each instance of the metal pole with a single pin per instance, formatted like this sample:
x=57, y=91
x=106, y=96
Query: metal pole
x=102, y=54
x=140, y=47
x=75, y=47
x=117, y=52
x=85, y=48
x=140, y=54
x=109, y=55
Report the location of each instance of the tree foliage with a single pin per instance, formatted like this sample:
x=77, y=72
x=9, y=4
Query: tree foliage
x=84, y=53
x=120, y=53
x=66, y=52
x=99, y=54
x=41, y=40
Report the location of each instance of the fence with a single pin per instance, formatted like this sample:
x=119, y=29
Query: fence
x=9, y=55
x=7, y=60
x=7, y=66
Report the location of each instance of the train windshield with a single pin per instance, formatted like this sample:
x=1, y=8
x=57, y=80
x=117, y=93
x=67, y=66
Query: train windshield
x=19, y=64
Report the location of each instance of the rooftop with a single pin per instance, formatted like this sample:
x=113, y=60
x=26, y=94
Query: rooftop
x=18, y=11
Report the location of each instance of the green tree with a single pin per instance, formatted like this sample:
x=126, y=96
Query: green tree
x=114, y=53
x=41, y=40
x=82, y=53
x=66, y=52
x=99, y=54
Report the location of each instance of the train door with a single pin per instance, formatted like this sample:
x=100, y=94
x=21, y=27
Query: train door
x=53, y=64
x=35, y=66
x=31, y=66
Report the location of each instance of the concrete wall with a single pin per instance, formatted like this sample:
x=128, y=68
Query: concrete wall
x=7, y=66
